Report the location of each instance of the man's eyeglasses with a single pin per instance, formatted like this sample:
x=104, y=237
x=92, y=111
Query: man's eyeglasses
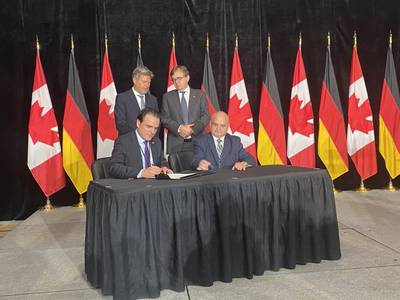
x=177, y=78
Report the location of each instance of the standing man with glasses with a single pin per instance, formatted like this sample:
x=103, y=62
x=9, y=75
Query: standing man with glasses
x=184, y=112
x=138, y=154
x=130, y=103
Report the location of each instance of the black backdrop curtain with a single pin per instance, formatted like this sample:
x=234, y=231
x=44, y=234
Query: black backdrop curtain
x=53, y=21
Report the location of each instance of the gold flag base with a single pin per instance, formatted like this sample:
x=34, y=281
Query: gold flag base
x=80, y=204
x=335, y=190
x=391, y=187
x=48, y=206
x=362, y=188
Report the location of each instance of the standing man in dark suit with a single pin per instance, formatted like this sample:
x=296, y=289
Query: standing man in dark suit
x=219, y=149
x=184, y=112
x=129, y=103
x=138, y=154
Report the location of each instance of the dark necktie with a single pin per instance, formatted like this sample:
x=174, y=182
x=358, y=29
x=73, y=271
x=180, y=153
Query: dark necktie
x=147, y=163
x=184, y=108
x=142, y=104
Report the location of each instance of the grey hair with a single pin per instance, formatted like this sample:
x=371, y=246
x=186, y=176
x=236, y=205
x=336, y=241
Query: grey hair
x=141, y=71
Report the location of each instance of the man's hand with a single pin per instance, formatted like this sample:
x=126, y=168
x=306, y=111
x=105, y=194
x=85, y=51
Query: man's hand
x=165, y=170
x=151, y=172
x=203, y=165
x=240, y=166
x=185, y=130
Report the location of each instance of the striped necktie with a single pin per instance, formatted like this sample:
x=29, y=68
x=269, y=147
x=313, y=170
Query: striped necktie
x=147, y=163
x=219, y=147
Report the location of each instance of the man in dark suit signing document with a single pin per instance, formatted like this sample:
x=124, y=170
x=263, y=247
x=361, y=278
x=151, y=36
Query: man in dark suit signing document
x=138, y=154
x=219, y=149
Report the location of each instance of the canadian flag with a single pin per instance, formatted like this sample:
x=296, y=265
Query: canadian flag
x=44, y=149
x=360, y=128
x=170, y=87
x=239, y=111
x=106, y=130
x=300, y=148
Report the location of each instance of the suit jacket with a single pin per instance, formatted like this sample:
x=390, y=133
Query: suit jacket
x=127, y=109
x=171, y=116
x=233, y=151
x=126, y=160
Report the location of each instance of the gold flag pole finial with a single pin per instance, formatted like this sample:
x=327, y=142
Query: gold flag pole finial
x=269, y=42
x=207, y=43
x=106, y=42
x=236, y=41
x=300, y=40
x=329, y=40
x=390, y=38
x=72, y=42
x=173, y=40
x=37, y=43
x=139, y=41
x=355, y=38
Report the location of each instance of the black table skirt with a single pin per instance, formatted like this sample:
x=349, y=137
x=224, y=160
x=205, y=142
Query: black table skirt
x=143, y=236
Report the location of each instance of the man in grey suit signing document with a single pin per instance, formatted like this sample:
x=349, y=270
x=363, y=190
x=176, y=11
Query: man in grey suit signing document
x=184, y=112
x=219, y=149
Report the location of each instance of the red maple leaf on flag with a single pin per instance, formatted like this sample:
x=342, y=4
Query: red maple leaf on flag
x=40, y=126
x=358, y=116
x=241, y=116
x=106, y=127
x=299, y=117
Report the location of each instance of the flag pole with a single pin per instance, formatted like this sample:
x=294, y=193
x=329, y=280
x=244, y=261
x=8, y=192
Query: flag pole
x=390, y=187
x=139, y=42
x=81, y=203
x=300, y=40
x=328, y=46
x=236, y=41
x=48, y=206
x=355, y=39
x=362, y=187
x=207, y=43
x=106, y=41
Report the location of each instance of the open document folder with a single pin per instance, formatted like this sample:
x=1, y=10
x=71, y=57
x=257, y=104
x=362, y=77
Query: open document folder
x=184, y=175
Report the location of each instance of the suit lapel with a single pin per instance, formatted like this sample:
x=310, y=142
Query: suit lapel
x=213, y=149
x=226, y=148
x=192, y=102
x=154, y=152
x=134, y=99
x=136, y=147
x=177, y=102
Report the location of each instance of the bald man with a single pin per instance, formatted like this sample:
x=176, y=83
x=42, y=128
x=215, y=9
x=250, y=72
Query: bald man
x=218, y=149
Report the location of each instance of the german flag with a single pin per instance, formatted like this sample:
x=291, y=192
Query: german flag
x=389, y=118
x=271, y=147
x=77, y=138
x=332, y=133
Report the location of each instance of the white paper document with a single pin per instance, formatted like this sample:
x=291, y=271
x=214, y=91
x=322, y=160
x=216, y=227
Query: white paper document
x=179, y=175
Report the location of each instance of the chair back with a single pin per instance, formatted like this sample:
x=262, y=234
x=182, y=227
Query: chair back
x=100, y=168
x=180, y=161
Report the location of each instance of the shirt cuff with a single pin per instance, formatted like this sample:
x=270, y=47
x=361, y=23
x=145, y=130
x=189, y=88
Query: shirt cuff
x=139, y=175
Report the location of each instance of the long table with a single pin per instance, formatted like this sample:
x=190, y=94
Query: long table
x=146, y=235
